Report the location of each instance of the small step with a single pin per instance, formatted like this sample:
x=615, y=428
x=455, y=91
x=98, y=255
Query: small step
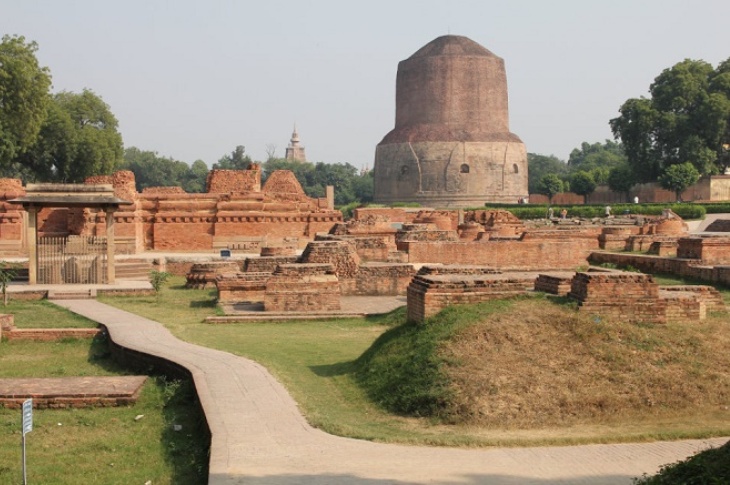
x=72, y=294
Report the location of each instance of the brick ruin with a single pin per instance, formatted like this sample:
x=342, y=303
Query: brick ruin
x=236, y=212
x=629, y=297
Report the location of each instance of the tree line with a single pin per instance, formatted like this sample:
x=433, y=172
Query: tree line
x=681, y=132
x=676, y=135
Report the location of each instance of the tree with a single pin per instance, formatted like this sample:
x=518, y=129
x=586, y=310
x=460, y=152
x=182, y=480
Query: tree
x=152, y=170
x=550, y=184
x=541, y=165
x=78, y=138
x=582, y=183
x=157, y=281
x=237, y=160
x=621, y=179
x=7, y=273
x=596, y=158
x=679, y=177
x=686, y=118
x=24, y=98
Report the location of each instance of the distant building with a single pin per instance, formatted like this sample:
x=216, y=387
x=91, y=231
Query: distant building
x=294, y=151
x=451, y=145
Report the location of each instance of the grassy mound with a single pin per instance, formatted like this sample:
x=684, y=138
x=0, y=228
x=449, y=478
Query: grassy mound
x=535, y=362
x=710, y=466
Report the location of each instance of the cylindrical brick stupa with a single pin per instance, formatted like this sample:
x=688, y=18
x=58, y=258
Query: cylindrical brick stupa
x=451, y=145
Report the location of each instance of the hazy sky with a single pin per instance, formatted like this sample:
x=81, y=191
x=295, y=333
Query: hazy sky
x=193, y=79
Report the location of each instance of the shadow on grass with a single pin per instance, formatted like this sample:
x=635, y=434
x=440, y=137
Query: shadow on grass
x=202, y=304
x=100, y=355
x=186, y=437
x=333, y=370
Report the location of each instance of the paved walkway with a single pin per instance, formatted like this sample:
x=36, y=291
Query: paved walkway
x=259, y=436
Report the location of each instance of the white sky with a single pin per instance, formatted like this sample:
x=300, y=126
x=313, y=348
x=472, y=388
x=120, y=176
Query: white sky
x=192, y=79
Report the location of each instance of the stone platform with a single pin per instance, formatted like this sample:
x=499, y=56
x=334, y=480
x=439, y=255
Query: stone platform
x=71, y=392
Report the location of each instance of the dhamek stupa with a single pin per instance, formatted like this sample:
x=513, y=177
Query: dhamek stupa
x=451, y=145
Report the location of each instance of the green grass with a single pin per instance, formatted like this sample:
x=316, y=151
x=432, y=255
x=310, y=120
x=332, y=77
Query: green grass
x=100, y=445
x=44, y=314
x=707, y=467
x=322, y=363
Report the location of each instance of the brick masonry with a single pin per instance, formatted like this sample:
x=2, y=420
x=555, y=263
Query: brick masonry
x=429, y=294
x=303, y=288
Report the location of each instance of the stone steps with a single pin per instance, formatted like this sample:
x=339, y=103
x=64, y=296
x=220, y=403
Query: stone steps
x=72, y=294
x=133, y=269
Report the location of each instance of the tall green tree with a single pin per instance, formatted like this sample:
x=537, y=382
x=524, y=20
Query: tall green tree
x=237, y=160
x=582, y=183
x=541, y=165
x=621, y=179
x=24, y=98
x=590, y=157
x=550, y=184
x=152, y=170
x=78, y=138
x=678, y=178
x=687, y=118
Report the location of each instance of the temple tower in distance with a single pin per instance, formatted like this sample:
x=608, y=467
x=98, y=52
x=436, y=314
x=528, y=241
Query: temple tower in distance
x=451, y=145
x=294, y=151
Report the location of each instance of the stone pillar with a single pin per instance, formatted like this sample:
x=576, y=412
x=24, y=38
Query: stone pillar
x=110, y=270
x=32, y=238
x=330, y=194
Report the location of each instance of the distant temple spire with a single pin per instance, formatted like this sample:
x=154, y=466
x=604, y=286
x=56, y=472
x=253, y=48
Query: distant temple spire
x=294, y=151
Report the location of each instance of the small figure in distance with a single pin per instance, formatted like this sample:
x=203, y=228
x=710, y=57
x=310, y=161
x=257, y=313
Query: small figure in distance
x=564, y=214
x=607, y=211
x=636, y=199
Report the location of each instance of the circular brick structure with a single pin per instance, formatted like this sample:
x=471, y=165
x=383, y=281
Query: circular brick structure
x=451, y=145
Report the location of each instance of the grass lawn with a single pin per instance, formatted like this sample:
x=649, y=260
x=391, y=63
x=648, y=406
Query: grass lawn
x=44, y=314
x=100, y=445
x=316, y=359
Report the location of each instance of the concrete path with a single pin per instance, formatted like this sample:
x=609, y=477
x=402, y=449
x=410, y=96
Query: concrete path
x=259, y=436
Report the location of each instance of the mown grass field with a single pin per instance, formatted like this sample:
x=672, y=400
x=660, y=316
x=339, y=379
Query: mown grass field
x=96, y=445
x=321, y=364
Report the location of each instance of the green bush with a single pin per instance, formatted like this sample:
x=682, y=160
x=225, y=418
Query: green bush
x=710, y=467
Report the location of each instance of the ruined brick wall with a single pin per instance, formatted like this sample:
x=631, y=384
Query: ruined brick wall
x=242, y=287
x=163, y=190
x=233, y=181
x=429, y=294
x=539, y=251
x=393, y=214
x=378, y=279
x=267, y=264
x=630, y=297
x=709, y=250
x=340, y=254
x=304, y=288
x=11, y=216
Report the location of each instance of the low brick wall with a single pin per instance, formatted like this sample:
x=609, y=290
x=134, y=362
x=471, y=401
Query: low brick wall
x=203, y=275
x=266, y=264
x=242, y=287
x=630, y=297
x=429, y=294
x=656, y=264
x=709, y=250
x=302, y=288
x=378, y=279
x=554, y=283
x=50, y=334
x=534, y=252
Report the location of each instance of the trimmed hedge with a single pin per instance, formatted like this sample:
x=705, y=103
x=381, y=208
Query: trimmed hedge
x=534, y=211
